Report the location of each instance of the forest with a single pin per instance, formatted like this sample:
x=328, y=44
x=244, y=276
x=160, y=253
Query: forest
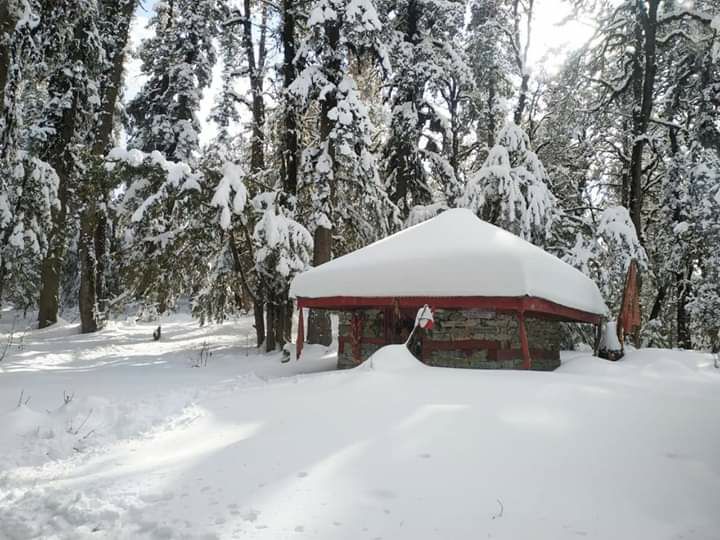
x=338, y=123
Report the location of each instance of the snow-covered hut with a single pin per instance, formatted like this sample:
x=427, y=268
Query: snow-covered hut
x=498, y=300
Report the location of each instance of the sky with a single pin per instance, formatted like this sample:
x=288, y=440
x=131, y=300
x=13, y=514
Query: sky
x=550, y=44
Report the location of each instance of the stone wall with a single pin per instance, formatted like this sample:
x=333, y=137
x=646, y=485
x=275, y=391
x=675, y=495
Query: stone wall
x=544, y=341
x=473, y=338
x=373, y=328
x=499, y=331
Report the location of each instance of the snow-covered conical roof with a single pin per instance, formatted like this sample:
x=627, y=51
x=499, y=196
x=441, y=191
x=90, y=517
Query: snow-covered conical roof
x=453, y=254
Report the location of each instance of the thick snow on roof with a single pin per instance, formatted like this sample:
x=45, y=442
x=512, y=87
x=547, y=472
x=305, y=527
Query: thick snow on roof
x=453, y=254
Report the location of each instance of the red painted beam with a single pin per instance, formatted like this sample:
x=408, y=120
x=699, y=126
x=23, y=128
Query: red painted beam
x=530, y=304
x=300, y=335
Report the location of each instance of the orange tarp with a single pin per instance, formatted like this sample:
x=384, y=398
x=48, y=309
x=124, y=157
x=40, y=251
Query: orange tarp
x=629, y=316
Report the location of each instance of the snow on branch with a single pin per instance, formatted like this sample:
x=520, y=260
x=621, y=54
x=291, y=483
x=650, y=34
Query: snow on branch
x=177, y=174
x=231, y=195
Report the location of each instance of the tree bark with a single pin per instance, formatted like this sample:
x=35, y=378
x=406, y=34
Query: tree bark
x=319, y=330
x=683, y=320
x=401, y=151
x=259, y=316
x=100, y=246
x=643, y=90
x=57, y=154
x=87, y=297
x=521, y=55
x=491, y=120
x=51, y=266
x=270, y=317
x=7, y=28
x=256, y=68
x=92, y=218
x=291, y=152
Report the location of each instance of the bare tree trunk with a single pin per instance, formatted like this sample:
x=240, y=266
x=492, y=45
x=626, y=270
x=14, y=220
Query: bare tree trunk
x=256, y=68
x=270, y=317
x=100, y=243
x=57, y=156
x=259, y=315
x=290, y=156
x=87, y=298
x=491, y=120
x=683, y=326
x=643, y=89
x=402, y=148
x=49, y=300
x=319, y=330
x=291, y=152
x=521, y=54
x=283, y=316
x=7, y=28
x=92, y=226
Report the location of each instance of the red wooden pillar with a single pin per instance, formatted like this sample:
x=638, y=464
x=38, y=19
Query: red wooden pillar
x=300, y=333
x=527, y=361
x=596, y=345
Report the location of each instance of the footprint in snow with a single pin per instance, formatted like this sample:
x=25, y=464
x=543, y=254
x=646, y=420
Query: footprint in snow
x=156, y=497
x=383, y=494
x=251, y=515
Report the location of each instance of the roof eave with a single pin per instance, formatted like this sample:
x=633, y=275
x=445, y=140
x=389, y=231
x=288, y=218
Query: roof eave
x=524, y=304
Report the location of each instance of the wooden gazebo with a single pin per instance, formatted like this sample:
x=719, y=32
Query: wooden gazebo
x=485, y=280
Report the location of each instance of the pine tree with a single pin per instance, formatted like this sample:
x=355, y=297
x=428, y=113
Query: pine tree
x=178, y=61
x=340, y=155
x=114, y=24
x=491, y=63
x=162, y=124
x=28, y=187
x=73, y=49
x=512, y=189
x=421, y=56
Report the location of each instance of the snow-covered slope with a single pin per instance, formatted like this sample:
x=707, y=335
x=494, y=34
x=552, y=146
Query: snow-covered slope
x=392, y=449
x=453, y=254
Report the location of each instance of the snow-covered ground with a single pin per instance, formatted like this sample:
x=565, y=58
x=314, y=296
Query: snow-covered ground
x=248, y=447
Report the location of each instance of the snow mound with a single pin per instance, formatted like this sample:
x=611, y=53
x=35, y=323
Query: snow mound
x=393, y=358
x=453, y=254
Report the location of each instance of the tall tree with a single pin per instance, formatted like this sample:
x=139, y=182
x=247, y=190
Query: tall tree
x=74, y=50
x=178, y=61
x=114, y=22
x=422, y=55
x=340, y=154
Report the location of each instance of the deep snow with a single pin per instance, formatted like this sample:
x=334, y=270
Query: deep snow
x=452, y=254
x=248, y=447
